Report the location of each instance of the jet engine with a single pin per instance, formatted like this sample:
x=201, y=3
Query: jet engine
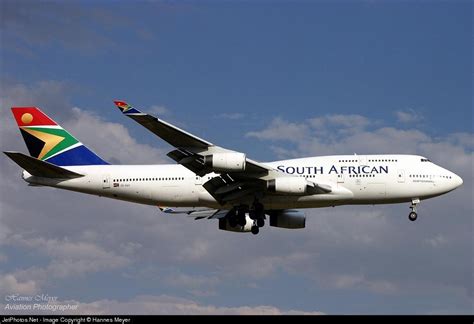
x=288, y=185
x=232, y=161
x=288, y=219
x=296, y=186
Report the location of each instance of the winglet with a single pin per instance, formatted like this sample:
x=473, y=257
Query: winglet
x=167, y=210
x=125, y=108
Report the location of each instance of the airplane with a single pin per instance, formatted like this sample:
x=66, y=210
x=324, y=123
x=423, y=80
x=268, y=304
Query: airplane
x=212, y=182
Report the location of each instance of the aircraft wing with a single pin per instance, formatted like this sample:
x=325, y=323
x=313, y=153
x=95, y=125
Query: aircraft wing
x=170, y=133
x=197, y=213
x=190, y=149
x=239, y=175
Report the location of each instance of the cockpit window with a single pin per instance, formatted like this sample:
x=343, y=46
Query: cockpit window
x=425, y=160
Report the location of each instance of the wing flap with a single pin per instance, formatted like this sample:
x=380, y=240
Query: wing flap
x=191, y=161
x=226, y=189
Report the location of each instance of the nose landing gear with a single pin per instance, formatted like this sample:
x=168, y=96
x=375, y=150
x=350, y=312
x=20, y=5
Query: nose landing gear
x=413, y=215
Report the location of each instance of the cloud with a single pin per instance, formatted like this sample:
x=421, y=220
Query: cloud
x=112, y=141
x=196, y=285
x=344, y=121
x=66, y=251
x=161, y=305
x=280, y=130
x=10, y=285
x=329, y=126
x=199, y=249
x=158, y=110
x=408, y=116
x=377, y=229
x=69, y=259
x=436, y=241
x=51, y=96
x=351, y=281
x=462, y=139
x=167, y=305
x=71, y=242
x=363, y=137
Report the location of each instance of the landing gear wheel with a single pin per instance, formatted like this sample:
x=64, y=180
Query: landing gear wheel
x=252, y=214
x=260, y=222
x=258, y=207
x=232, y=222
x=254, y=230
x=242, y=221
x=412, y=216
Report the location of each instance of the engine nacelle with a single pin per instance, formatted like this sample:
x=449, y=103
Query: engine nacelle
x=225, y=226
x=288, y=219
x=226, y=161
x=288, y=185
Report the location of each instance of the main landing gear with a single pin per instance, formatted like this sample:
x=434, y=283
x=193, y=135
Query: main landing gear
x=254, y=229
x=239, y=217
x=256, y=213
x=413, y=215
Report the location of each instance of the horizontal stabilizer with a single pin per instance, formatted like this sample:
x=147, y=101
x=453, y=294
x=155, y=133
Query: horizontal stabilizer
x=40, y=168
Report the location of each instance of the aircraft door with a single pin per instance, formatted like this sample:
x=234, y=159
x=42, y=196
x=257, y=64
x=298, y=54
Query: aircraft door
x=362, y=160
x=340, y=178
x=106, y=181
x=401, y=176
x=198, y=180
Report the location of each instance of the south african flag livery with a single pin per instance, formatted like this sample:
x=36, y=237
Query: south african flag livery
x=48, y=141
x=126, y=108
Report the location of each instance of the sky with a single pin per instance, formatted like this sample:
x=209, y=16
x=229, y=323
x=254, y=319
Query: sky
x=273, y=79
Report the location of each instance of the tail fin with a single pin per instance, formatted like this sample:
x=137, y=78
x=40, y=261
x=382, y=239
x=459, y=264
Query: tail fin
x=47, y=141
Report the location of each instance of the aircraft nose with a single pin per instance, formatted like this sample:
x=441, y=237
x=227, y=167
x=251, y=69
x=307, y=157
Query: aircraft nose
x=458, y=180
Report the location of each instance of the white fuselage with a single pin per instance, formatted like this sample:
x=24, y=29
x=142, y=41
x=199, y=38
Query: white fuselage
x=354, y=179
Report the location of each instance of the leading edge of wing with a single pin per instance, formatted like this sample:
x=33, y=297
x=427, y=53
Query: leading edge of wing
x=180, y=138
x=173, y=135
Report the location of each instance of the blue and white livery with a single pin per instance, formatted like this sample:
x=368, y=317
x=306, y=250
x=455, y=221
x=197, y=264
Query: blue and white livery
x=209, y=181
